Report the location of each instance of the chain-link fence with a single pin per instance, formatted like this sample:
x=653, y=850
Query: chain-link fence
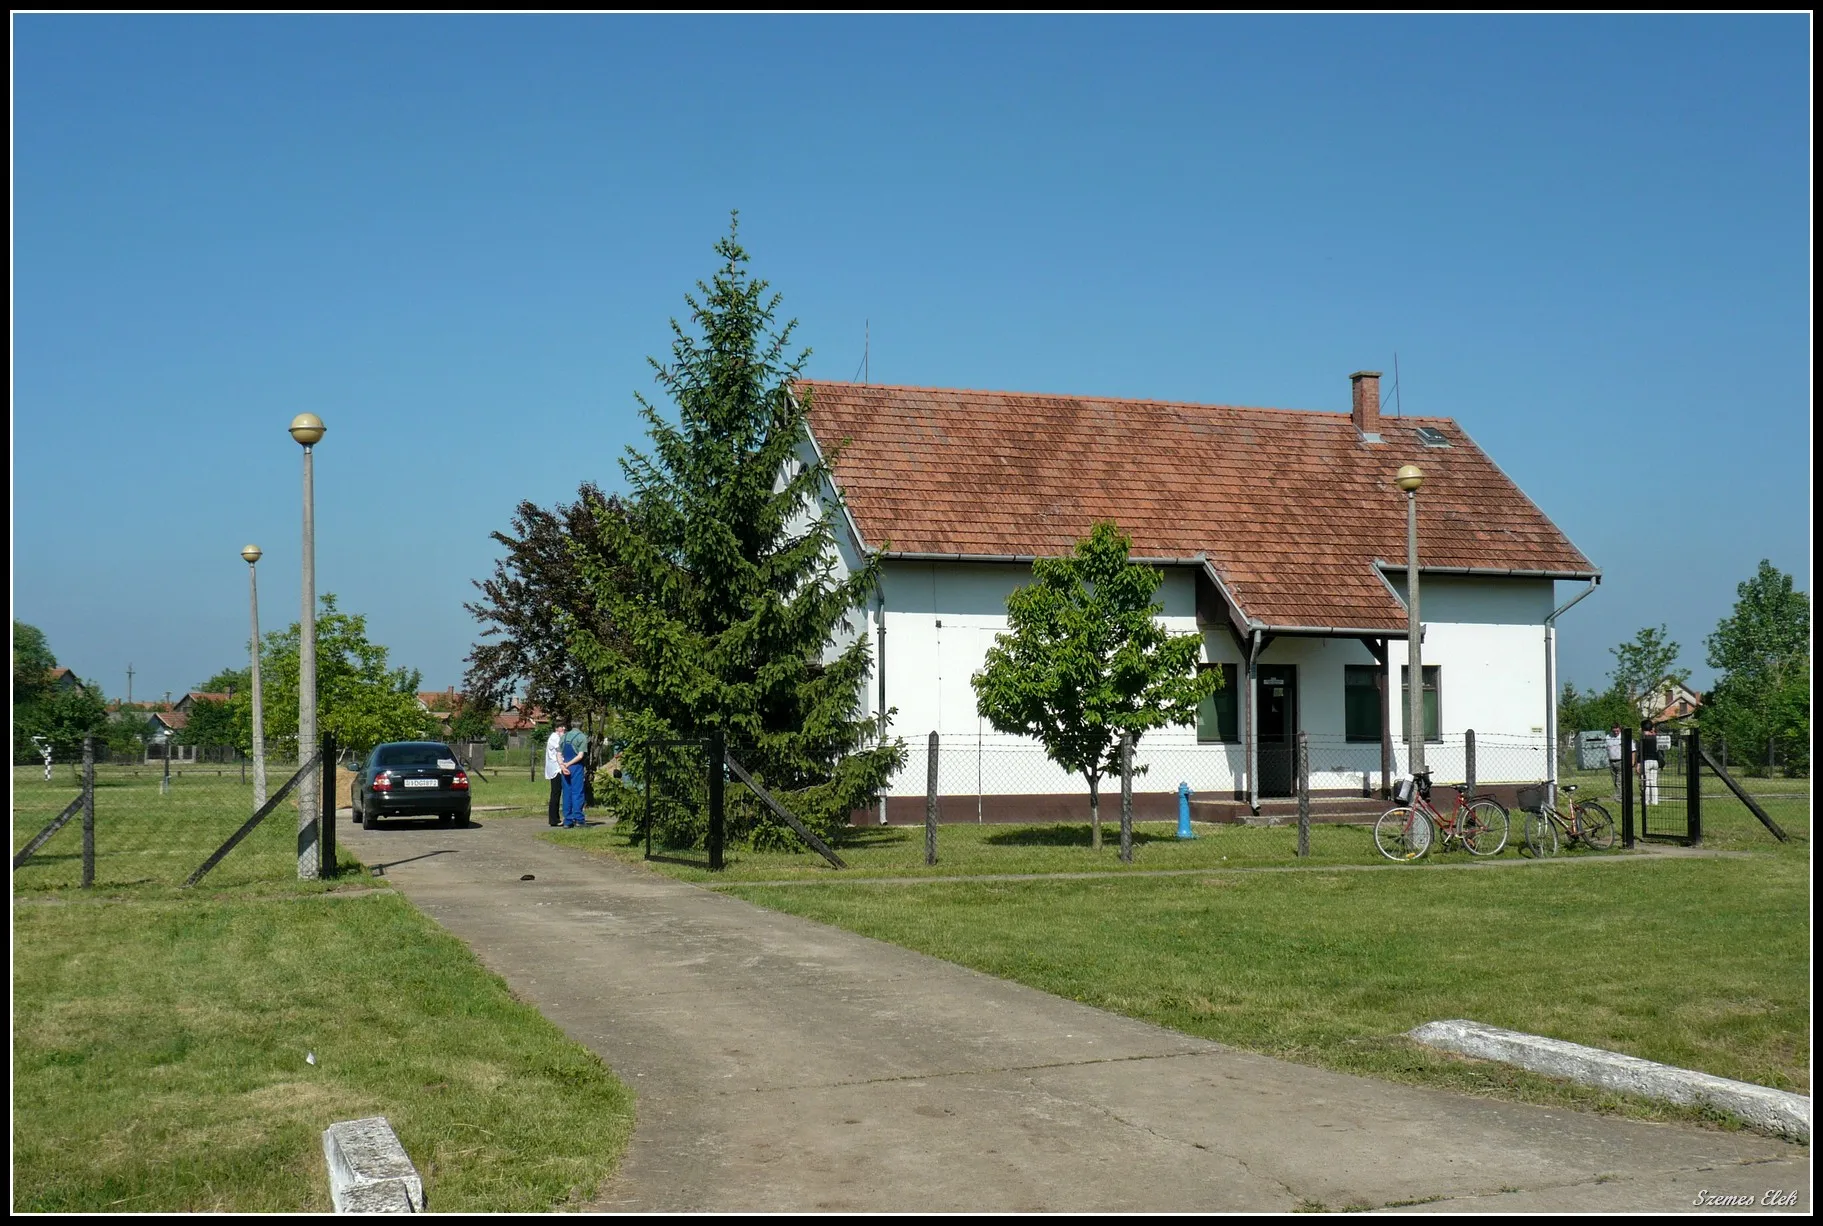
x=1219, y=787
x=150, y=830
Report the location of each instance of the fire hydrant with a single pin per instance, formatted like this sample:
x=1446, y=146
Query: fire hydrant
x=1183, y=812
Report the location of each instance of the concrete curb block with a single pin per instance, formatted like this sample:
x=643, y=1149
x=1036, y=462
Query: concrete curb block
x=369, y=1171
x=1775, y=1111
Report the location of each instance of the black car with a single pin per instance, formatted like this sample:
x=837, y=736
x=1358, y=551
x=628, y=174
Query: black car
x=411, y=779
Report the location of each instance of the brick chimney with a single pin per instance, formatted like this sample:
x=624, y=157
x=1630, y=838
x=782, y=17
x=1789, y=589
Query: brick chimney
x=1366, y=410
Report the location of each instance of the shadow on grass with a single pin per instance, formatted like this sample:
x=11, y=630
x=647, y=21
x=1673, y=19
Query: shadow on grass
x=1069, y=836
x=869, y=838
x=659, y=857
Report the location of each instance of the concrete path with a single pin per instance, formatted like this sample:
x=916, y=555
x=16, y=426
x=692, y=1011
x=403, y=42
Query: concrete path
x=784, y=1065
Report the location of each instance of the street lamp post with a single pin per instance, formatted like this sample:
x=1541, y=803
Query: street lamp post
x=252, y=554
x=1409, y=478
x=307, y=429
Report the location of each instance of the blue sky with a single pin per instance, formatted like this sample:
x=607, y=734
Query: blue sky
x=457, y=239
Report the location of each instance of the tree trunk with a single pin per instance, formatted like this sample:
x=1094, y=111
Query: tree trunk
x=1094, y=812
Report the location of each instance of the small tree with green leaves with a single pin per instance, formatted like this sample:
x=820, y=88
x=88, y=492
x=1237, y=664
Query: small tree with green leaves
x=1647, y=663
x=1084, y=659
x=1595, y=710
x=361, y=699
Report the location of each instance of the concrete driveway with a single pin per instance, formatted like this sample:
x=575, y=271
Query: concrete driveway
x=783, y=1065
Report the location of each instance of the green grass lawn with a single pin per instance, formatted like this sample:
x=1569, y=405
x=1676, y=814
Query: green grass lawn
x=969, y=849
x=160, y=1035
x=1698, y=963
x=1701, y=963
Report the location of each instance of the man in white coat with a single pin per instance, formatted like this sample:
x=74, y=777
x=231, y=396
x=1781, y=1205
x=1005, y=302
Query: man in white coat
x=554, y=775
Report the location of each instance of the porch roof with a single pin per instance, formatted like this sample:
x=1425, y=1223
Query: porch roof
x=1291, y=508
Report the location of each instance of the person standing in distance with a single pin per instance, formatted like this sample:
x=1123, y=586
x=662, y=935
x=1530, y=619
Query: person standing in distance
x=552, y=750
x=1614, y=758
x=572, y=753
x=1651, y=754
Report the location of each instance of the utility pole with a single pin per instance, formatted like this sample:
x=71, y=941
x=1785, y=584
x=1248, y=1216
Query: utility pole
x=129, y=683
x=1409, y=479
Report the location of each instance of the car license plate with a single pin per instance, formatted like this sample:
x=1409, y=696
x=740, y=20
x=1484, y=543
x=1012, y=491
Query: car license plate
x=420, y=783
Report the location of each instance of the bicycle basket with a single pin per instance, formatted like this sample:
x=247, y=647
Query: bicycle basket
x=1403, y=791
x=1532, y=798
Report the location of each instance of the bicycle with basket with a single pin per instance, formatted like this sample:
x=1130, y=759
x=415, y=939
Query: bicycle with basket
x=1550, y=827
x=1412, y=827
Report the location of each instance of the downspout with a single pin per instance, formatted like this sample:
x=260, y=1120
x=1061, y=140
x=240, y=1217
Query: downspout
x=880, y=673
x=1253, y=725
x=1550, y=686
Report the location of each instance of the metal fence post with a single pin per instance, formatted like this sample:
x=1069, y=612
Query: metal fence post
x=1468, y=754
x=1626, y=787
x=88, y=811
x=1693, y=786
x=327, y=827
x=651, y=753
x=718, y=778
x=1126, y=798
x=930, y=803
x=1304, y=795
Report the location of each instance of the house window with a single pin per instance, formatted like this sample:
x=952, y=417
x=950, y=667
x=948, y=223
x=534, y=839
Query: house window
x=1361, y=701
x=1433, y=713
x=1218, y=716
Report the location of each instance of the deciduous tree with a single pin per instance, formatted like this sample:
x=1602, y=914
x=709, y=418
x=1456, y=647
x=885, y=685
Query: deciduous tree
x=361, y=699
x=1084, y=659
x=536, y=593
x=1761, y=702
x=1646, y=663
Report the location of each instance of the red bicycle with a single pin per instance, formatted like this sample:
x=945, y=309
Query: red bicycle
x=1410, y=829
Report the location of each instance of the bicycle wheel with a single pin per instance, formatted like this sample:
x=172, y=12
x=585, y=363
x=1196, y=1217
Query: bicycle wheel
x=1484, y=828
x=1595, y=827
x=1403, y=834
x=1540, y=835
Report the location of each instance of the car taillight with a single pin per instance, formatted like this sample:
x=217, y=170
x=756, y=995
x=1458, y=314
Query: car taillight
x=461, y=784
x=382, y=782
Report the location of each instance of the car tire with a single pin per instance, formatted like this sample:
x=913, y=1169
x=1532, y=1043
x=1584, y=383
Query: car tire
x=462, y=818
x=368, y=821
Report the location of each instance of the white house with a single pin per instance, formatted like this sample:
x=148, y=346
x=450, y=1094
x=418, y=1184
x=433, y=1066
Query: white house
x=1282, y=539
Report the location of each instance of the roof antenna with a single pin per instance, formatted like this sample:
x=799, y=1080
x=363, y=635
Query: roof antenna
x=862, y=371
x=1398, y=400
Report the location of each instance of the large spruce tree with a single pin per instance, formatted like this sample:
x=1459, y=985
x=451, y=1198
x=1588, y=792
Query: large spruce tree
x=729, y=610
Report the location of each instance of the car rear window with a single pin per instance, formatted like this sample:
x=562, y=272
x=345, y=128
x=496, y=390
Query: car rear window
x=414, y=755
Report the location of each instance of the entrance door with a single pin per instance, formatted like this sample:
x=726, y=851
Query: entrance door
x=1278, y=699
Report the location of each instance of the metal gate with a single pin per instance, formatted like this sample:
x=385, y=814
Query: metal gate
x=1662, y=788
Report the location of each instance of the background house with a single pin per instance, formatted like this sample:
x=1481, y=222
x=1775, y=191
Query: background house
x=64, y=679
x=440, y=705
x=163, y=726
x=1282, y=542
x=1673, y=704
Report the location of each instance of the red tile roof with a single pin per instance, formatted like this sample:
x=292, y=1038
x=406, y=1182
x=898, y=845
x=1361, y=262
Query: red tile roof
x=438, y=700
x=1291, y=507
